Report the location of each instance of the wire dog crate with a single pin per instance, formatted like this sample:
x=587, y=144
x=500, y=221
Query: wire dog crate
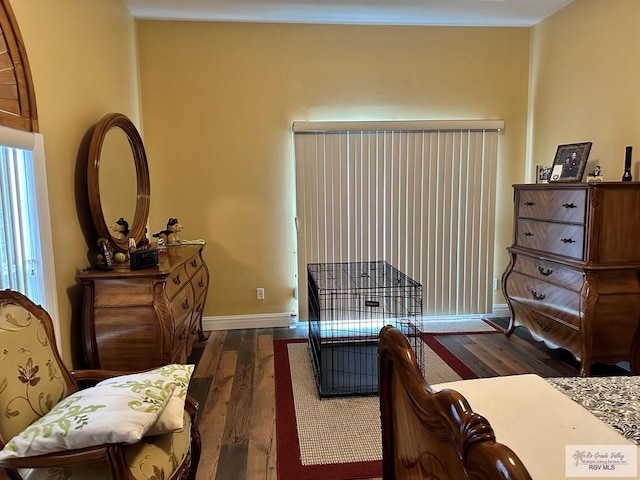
x=348, y=305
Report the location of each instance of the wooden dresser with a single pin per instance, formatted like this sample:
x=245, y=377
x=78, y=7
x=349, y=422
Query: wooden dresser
x=573, y=278
x=140, y=319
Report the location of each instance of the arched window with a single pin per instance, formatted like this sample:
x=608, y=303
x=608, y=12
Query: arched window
x=17, y=96
x=26, y=253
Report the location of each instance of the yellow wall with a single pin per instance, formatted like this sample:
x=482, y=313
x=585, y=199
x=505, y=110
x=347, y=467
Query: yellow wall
x=218, y=101
x=585, y=78
x=83, y=61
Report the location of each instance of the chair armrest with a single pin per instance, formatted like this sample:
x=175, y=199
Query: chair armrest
x=95, y=375
x=192, y=407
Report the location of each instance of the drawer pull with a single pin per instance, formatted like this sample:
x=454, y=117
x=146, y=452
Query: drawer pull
x=544, y=271
x=527, y=234
x=194, y=262
x=201, y=283
x=567, y=240
x=177, y=280
x=537, y=296
x=569, y=205
x=529, y=204
x=545, y=327
x=185, y=304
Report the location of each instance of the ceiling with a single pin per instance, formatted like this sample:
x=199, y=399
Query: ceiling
x=366, y=12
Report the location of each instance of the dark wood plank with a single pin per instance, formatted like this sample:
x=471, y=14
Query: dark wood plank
x=235, y=456
x=212, y=419
x=236, y=428
x=261, y=461
x=459, y=346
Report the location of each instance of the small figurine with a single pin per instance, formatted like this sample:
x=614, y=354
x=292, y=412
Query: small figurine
x=170, y=235
x=120, y=229
x=105, y=255
x=144, y=241
x=596, y=175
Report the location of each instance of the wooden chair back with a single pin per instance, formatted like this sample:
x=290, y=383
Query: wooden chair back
x=33, y=377
x=433, y=435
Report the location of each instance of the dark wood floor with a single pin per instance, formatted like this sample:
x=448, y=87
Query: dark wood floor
x=237, y=421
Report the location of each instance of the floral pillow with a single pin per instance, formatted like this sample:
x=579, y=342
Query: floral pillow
x=171, y=418
x=121, y=409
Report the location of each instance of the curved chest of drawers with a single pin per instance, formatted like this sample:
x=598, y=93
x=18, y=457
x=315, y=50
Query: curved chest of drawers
x=573, y=279
x=141, y=319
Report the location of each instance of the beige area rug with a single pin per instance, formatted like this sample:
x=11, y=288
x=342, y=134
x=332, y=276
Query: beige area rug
x=343, y=430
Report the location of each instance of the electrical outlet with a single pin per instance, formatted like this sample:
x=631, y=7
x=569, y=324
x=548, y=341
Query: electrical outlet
x=495, y=283
x=260, y=293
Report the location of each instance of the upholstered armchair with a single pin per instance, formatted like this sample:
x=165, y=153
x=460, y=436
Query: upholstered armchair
x=139, y=426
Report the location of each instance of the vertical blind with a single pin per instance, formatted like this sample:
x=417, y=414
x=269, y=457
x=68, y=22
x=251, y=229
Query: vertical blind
x=20, y=258
x=419, y=195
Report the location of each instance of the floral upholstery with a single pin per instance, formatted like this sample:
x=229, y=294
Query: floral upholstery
x=33, y=380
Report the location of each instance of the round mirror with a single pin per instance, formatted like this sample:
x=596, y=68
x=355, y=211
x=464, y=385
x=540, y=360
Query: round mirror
x=118, y=181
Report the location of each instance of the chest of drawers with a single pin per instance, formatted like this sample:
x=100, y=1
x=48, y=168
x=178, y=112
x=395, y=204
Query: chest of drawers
x=134, y=320
x=573, y=278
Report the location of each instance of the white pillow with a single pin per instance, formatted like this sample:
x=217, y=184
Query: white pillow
x=172, y=418
x=121, y=409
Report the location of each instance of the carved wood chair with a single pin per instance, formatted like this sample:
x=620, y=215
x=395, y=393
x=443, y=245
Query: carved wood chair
x=34, y=380
x=434, y=435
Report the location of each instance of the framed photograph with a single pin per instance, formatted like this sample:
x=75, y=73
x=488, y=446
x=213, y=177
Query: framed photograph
x=543, y=173
x=570, y=162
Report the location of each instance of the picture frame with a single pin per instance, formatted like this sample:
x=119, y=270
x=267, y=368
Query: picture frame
x=570, y=162
x=543, y=173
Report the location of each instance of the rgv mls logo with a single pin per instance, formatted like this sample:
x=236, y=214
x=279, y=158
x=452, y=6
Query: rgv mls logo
x=601, y=461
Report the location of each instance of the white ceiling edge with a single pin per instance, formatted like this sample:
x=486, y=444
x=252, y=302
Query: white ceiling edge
x=502, y=13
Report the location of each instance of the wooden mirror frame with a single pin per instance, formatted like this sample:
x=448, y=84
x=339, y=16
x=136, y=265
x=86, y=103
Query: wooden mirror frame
x=138, y=226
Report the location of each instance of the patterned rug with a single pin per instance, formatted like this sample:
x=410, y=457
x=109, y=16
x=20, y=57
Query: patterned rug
x=334, y=438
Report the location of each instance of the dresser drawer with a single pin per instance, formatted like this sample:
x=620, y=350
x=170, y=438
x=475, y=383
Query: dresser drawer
x=559, y=238
x=555, y=205
x=554, y=334
x=192, y=265
x=176, y=280
x=182, y=306
x=200, y=282
x=549, y=271
x=544, y=297
x=179, y=348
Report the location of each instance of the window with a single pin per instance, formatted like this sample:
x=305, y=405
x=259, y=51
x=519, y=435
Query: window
x=26, y=255
x=419, y=195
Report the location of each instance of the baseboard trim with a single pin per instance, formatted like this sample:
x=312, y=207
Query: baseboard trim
x=270, y=320
x=501, y=310
x=260, y=320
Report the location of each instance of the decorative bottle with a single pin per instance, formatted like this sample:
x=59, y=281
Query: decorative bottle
x=626, y=176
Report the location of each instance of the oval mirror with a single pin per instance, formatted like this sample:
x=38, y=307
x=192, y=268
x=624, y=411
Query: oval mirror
x=118, y=181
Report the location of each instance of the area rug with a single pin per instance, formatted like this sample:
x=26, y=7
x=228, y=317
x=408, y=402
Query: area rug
x=335, y=438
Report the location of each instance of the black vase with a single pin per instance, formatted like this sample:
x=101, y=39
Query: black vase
x=626, y=176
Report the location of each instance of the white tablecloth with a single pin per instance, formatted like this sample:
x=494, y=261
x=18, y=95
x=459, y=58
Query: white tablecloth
x=535, y=420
